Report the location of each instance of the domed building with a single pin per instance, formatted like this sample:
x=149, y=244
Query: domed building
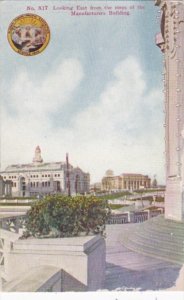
x=109, y=173
x=125, y=181
x=108, y=181
x=41, y=178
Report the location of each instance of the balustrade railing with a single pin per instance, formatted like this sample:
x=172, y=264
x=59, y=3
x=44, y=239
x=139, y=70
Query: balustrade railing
x=13, y=223
x=11, y=228
x=1, y=252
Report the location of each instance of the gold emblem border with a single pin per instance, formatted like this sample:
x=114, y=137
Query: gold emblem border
x=36, y=17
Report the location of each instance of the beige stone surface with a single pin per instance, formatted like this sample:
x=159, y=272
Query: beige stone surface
x=171, y=43
x=83, y=258
x=179, y=285
x=37, y=279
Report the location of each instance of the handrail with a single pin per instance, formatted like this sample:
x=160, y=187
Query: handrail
x=13, y=223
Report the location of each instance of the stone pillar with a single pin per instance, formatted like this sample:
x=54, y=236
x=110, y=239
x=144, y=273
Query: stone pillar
x=85, y=253
x=1, y=284
x=124, y=185
x=171, y=43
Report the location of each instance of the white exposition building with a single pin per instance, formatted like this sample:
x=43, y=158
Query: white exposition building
x=171, y=43
x=40, y=178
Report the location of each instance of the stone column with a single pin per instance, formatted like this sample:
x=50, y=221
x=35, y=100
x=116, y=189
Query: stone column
x=171, y=43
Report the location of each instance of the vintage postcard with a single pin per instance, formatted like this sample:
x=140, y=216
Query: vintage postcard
x=91, y=148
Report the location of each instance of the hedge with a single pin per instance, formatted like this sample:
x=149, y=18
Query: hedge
x=64, y=216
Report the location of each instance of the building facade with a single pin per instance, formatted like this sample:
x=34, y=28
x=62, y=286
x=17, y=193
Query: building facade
x=39, y=178
x=107, y=183
x=5, y=187
x=96, y=187
x=171, y=43
x=125, y=181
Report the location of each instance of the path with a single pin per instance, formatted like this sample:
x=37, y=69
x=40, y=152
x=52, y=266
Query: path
x=128, y=270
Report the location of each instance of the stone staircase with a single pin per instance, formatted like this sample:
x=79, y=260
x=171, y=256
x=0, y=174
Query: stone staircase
x=158, y=238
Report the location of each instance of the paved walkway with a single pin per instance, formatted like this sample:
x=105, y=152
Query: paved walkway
x=127, y=270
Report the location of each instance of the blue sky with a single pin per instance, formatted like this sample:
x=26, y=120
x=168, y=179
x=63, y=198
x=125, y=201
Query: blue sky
x=95, y=92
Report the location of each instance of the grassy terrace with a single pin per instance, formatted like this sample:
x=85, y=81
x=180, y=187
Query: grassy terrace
x=18, y=198
x=157, y=199
x=120, y=195
x=15, y=204
x=149, y=191
x=117, y=206
x=114, y=195
x=152, y=208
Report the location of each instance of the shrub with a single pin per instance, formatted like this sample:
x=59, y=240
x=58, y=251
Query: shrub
x=63, y=216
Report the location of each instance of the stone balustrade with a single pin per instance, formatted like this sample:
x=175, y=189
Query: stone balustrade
x=62, y=257
x=13, y=223
x=40, y=279
x=134, y=216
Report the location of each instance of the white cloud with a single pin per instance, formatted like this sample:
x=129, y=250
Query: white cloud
x=121, y=131
x=117, y=133
x=32, y=101
x=46, y=95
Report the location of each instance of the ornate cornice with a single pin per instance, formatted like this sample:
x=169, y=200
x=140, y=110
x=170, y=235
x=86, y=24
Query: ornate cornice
x=157, y=2
x=161, y=3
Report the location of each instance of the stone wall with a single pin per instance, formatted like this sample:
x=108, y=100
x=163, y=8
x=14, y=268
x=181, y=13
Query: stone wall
x=82, y=259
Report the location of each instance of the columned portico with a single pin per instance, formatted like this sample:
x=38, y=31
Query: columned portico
x=171, y=43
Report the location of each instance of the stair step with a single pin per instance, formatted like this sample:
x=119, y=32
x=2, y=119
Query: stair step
x=154, y=238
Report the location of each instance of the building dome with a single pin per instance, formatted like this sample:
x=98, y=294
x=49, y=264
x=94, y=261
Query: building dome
x=37, y=157
x=38, y=149
x=109, y=173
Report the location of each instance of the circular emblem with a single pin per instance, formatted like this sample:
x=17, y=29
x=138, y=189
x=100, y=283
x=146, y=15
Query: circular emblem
x=28, y=34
